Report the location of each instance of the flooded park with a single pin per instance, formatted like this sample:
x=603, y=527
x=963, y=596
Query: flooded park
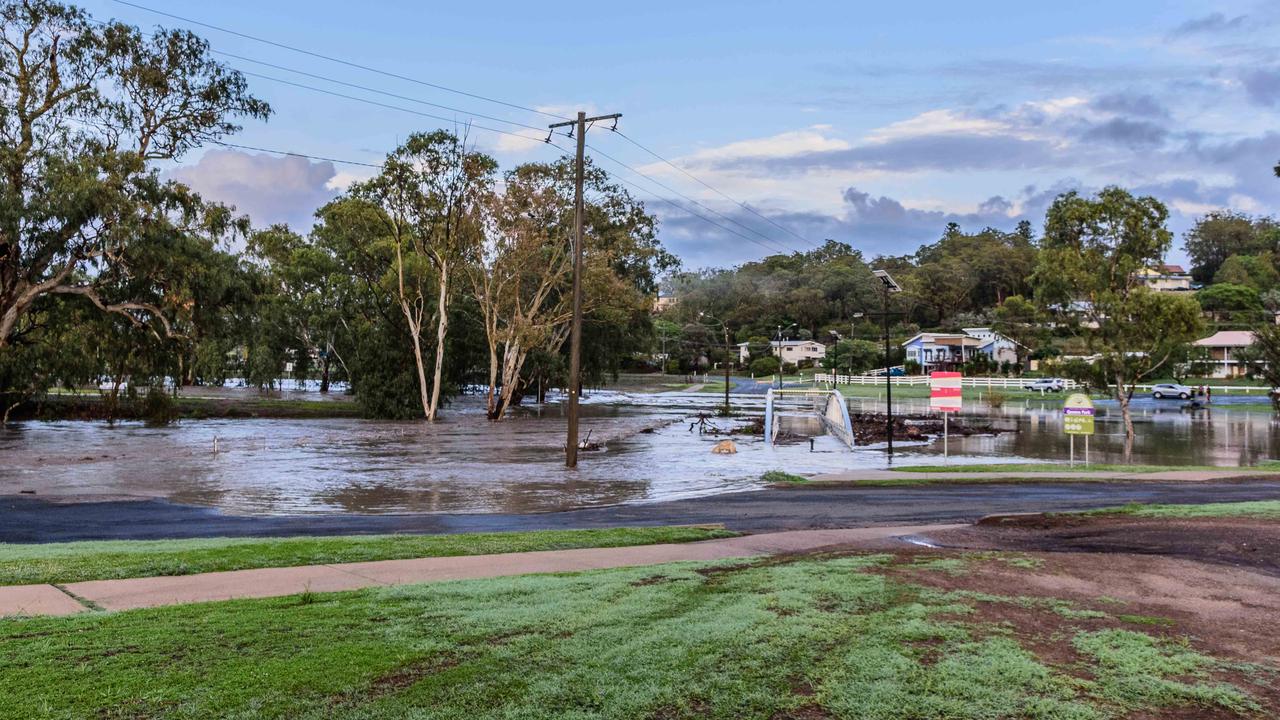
x=650, y=450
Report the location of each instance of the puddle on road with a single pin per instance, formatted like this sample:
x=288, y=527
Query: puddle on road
x=465, y=464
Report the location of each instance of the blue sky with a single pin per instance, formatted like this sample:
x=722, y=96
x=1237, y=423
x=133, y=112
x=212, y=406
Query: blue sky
x=871, y=123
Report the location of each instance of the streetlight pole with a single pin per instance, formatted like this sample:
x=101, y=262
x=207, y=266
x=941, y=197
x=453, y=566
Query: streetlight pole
x=728, y=353
x=890, y=286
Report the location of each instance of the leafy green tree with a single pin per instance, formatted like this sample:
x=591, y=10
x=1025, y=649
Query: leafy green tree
x=1219, y=235
x=852, y=356
x=1088, y=272
x=431, y=191
x=90, y=109
x=1256, y=271
x=1020, y=320
x=1262, y=358
x=1232, y=303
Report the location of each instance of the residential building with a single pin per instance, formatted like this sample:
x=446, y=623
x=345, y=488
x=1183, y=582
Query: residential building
x=1224, y=349
x=1166, y=278
x=788, y=351
x=947, y=351
x=663, y=302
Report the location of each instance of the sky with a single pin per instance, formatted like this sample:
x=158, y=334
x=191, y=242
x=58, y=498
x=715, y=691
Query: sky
x=874, y=124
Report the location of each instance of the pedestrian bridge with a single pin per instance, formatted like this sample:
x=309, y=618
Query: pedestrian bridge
x=827, y=406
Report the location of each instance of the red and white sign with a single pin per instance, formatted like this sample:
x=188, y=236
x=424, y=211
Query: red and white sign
x=944, y=391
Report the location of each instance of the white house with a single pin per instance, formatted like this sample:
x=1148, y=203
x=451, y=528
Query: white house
x=1224, y=347
x=788, y=351
x=1166, y=278
x=944, y=351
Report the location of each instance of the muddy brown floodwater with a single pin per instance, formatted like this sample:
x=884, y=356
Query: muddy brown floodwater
x=465, y=464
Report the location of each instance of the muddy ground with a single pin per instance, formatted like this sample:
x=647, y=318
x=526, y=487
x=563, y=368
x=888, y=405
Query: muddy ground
x=1214, y=582
x=1211, y=583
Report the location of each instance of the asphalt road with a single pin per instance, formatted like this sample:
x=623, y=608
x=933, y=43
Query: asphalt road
x=27, y=519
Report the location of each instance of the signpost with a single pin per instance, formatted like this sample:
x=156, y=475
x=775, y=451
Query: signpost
x=945, y=397
x=1077, y=419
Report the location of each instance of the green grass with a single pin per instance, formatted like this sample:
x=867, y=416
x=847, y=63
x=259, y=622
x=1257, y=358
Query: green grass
x=78, y=561
x=779, y=476
x=1267, y=466
x=806, y=638
x=1267, y=509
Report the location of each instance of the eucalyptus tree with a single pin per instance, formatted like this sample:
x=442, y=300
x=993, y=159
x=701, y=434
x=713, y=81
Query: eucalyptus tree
x=86, y=112
x=1089, y=273
x=432, y=191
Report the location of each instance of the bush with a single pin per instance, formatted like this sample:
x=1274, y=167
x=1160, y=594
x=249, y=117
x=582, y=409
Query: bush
x=764, y=366
x=158, y=407
x=673, y=367
x=996, y=399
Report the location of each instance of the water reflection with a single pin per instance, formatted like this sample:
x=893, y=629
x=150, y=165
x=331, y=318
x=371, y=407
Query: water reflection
x=466, y=464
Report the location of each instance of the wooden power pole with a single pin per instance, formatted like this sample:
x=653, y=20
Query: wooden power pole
x=575, y=329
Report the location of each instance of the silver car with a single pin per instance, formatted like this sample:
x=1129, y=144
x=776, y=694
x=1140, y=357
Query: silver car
x=1164, y=390
x=1045, y=385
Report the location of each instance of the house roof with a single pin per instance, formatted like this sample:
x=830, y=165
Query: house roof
x=1174, y=270
x=1227, y=338
x=789, y=343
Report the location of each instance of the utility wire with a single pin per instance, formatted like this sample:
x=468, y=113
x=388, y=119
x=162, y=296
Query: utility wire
x=366, y=88
x=672, y=190
x=339, y=61
x=724, y=195
x=366, y=68
x=399, y=108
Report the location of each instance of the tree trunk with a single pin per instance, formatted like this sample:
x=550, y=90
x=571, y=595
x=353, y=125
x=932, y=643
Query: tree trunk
x=491, y=401
x=1122, y=397
x=442, y=329
x=324, y=374
x=415, y=332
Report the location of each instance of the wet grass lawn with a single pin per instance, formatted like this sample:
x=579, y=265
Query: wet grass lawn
x=1266, y=466
x=813, y=637
x=76, y=561
x=1262, y=509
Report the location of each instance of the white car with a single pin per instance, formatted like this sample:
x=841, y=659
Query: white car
x=1045, y=385
x=1168, y=390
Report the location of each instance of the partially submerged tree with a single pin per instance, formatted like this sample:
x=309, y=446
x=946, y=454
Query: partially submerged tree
x=1091, y=255
x=431, y=191
x=86, y=111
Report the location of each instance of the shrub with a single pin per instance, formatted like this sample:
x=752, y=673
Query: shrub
x=764, y=366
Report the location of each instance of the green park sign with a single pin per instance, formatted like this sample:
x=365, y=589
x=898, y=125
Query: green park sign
x=1077, y=415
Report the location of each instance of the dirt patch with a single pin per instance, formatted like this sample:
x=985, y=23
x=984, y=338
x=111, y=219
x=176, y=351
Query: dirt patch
x=1238, y=542
x=871, y=428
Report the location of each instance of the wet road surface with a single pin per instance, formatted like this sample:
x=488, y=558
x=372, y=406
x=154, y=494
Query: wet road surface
x=25, y=520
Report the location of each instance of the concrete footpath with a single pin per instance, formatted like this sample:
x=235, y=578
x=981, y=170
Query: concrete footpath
x=275, y=582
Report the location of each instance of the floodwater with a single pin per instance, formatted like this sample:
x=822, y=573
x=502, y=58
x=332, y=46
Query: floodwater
x=466, y=464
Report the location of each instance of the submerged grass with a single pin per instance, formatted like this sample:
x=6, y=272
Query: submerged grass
x=78, y=561
x=813, y=637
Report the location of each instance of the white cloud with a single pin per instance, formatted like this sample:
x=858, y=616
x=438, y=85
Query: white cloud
x=268, y=188
x=937, y=122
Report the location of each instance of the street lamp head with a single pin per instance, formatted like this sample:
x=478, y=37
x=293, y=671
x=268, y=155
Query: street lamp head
x=890, y=285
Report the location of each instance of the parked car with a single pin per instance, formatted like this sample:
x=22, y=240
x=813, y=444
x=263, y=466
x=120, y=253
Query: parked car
x=1164, y=390
x=1046, y=385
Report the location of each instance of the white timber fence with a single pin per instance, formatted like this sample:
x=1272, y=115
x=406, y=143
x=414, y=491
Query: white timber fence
x=999, y=382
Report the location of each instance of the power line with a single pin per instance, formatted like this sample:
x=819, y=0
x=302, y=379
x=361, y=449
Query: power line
x=700, y=181
x=366, y=88
x=339, y=61
x=439, y=117
x=672, y=190
x=389, y=106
